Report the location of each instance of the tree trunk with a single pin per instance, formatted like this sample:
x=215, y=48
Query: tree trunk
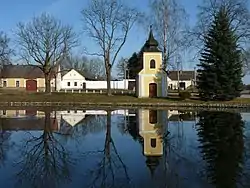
x=108, y=134
x=164, y=51
x=109, y=93
x=108, y=75
x=47, y=83
x=46, y=132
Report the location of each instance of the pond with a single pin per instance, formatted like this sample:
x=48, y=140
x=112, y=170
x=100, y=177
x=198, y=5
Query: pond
x=124, y=148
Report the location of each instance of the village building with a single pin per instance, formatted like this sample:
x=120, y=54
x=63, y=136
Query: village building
x=152, y=127
x=73, y=80
x=152, y=79
x=185, y=79
x=27, y=77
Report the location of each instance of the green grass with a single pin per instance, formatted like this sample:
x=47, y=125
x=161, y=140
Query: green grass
x=95, y=98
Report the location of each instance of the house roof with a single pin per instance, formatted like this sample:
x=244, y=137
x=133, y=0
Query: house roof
x=183, y=75
x=23, y=71
x=85, y=74
x=27, y=124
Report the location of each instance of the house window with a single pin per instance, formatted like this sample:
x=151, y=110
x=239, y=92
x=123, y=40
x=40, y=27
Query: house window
x=75, y=111
x=68, y=83
x=75, y=84
x=17, y=112
x=153, y=142
x=152, y=64
x=17, y=83
x=4, y=112
x=4, y=83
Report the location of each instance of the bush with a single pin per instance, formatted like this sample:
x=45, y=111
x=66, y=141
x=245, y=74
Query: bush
x=184, y=95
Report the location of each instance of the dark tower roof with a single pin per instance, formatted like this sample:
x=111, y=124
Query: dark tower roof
x=152, y=163
x=151, y=45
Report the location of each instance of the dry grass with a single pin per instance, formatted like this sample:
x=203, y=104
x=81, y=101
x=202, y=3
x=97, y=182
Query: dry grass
x=94, y=98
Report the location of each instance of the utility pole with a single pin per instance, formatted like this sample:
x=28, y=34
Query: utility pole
x=178, y=75
x=124, y=77
x=194, y=76
x=124, y=65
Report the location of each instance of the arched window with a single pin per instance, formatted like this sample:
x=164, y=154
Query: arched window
x=152, y=64
x=153, y=142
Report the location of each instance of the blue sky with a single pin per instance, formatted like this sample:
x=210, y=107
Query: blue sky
x=14, y=11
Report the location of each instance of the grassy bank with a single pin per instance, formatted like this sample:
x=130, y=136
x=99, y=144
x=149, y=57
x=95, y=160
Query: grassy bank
x=99, y=98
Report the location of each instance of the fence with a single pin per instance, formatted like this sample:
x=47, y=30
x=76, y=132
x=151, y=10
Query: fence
x=99, y=91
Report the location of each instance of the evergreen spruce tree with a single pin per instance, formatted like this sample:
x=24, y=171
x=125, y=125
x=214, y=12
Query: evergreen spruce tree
x=220, y=73
x=133, y=66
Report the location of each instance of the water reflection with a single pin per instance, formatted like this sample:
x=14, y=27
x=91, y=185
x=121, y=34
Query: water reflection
x=110, y=170
x=44, y=161
x=222, y=145
x=151, y=132
x=123, y=148
x=4, y=145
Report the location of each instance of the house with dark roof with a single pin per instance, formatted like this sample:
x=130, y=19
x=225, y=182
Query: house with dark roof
x=28, y=120
x=185, y=79
x=27, y=77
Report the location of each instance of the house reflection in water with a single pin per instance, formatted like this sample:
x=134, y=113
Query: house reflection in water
x=62, y=121
x=152, y=126
x=27, y=120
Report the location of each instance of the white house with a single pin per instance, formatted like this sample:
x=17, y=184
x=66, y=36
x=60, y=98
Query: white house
x=72, y=117
x=186, y=79
x=73, y=80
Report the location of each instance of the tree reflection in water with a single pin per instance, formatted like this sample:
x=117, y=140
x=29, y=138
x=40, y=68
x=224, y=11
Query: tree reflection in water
x=221, y=138
x=107, y=173
x=4, y=142
x=45, y=162
x=4, y=145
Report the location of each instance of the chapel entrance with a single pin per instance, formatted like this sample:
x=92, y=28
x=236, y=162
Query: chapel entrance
x=152, y=90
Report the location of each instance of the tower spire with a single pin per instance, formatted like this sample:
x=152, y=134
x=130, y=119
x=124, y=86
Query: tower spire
x=151, y=44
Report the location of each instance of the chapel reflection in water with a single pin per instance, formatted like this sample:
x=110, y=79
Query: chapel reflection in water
x=151, y=130
x=220, y=140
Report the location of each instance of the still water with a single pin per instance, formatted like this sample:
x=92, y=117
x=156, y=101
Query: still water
x=124, y=148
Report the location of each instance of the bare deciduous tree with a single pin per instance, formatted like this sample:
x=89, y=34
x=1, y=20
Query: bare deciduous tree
x=94, y=67
x=122, y=67
x=5, y=50
x=169, y=19
x=43, y=42
x=108, y=23
x=74, y=62
x=239, y=15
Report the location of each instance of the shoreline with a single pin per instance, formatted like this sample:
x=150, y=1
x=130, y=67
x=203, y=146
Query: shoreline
x=168, y=104
x=97, y=101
